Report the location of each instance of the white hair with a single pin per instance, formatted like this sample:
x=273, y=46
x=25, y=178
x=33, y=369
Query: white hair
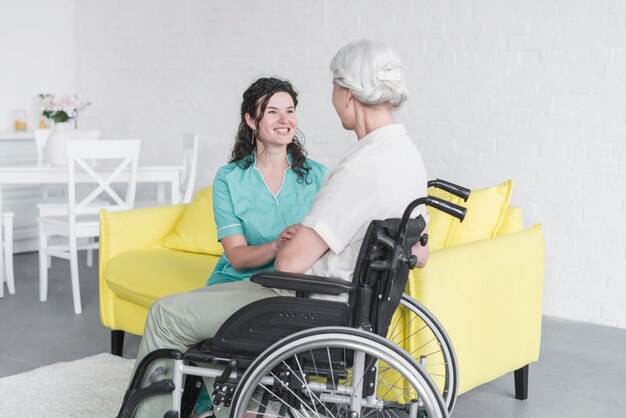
x=372, y=71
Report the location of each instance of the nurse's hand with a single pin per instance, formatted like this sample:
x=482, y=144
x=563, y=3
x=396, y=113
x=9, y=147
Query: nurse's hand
x=286, y=235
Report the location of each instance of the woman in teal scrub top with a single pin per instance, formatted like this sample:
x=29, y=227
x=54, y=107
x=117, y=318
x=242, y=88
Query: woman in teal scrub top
x=262, y=194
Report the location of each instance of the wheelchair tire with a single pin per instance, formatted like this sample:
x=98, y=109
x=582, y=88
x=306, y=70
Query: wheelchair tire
x=336, y=372
x=428, y=341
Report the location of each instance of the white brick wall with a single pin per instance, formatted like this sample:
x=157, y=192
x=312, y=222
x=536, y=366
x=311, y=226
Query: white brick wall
x=529, y=90
x=37, y=56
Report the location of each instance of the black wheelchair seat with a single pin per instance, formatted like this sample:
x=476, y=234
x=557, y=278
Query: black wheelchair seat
x=260, y=324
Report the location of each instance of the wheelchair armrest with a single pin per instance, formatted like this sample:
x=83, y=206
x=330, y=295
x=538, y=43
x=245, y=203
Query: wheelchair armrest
x=302, y=282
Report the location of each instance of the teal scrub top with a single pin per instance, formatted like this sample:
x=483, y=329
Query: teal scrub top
x=244, y=205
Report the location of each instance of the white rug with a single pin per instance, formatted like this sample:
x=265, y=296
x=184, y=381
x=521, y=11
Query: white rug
x=90, y=387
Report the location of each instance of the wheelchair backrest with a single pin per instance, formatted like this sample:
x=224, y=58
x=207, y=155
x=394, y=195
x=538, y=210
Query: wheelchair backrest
x=382, y=270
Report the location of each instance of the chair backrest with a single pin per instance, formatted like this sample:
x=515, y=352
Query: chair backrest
x=102, y=163
x=41, y=138
x=190, y=166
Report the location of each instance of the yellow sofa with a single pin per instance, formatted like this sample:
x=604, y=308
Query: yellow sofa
x=135, y=270
x=488, y=296
x=487, y=293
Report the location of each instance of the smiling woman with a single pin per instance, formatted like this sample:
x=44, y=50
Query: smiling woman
x=261, y=196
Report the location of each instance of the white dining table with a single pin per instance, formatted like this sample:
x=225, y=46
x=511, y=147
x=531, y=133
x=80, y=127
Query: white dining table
x=33, y=172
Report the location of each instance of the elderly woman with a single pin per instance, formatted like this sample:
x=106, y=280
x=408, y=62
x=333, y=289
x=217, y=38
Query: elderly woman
x=383, y=171
x=376, y=179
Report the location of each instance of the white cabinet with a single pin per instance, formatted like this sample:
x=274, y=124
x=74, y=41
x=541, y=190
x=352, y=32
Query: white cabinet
x=19, y=199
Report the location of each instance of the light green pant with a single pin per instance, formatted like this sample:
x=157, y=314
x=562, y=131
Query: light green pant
x=179, y=321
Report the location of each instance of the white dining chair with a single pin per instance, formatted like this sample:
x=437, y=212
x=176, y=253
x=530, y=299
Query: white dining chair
x=6, y=251
x=189, y=168
x=54, y=199
x=97, y=165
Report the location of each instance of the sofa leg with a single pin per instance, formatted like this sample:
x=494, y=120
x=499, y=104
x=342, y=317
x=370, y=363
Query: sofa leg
x=117, y=343
x=521, y=383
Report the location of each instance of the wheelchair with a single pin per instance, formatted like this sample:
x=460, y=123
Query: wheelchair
x=305, y=357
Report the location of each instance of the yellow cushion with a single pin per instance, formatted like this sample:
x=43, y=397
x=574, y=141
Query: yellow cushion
x=513, y=221
x=441, y=225
x=485, y=213
x=144, y=276
x=196, y=231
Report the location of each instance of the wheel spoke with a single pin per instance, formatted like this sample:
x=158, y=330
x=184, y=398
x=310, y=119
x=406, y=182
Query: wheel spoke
x=304, y=384
x=316, y=377
x=417, y=331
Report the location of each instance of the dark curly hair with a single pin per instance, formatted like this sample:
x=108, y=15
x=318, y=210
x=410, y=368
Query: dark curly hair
x=257, y=96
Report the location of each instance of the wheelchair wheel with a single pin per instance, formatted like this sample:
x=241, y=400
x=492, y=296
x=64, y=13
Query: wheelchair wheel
x=336, y=372
x=419, y=333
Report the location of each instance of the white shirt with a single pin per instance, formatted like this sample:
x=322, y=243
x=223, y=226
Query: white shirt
x=376, y=179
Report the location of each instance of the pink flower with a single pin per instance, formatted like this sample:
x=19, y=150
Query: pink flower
x=62, y=108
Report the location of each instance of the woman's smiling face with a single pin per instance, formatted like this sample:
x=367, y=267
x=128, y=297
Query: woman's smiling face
x=279, y=122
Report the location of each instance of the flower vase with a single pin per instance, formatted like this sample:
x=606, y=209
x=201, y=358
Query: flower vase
x=55, y=146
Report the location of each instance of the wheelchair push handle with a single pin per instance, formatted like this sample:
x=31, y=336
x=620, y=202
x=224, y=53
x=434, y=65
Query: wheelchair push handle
x=450, y=208
x=451, y=188
x=443, y=205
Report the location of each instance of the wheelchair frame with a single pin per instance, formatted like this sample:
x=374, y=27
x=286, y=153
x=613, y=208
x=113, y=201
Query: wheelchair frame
x=375, y=293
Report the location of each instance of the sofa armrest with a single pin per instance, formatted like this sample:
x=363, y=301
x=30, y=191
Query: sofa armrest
x=488, y=296
x=137, y=229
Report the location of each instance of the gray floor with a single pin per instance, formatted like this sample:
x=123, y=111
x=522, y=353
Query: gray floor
x=582, y=371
